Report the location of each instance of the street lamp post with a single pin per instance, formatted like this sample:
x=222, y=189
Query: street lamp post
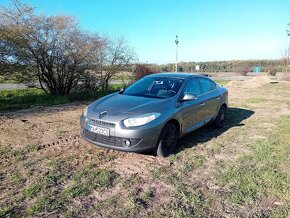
x=287, y=52
x=176, y=42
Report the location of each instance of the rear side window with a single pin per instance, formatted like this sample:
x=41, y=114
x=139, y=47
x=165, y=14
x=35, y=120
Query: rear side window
x=206, y=85
x=192, y=87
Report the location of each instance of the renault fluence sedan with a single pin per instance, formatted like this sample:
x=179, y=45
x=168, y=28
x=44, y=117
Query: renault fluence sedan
x=153, y=112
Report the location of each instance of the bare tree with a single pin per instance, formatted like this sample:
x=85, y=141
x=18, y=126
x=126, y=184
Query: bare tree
x=286, y=58
x=50, y=49
x=115, y=57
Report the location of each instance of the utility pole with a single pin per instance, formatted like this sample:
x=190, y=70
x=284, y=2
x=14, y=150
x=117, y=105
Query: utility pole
x=287, y=52
x=176, y=42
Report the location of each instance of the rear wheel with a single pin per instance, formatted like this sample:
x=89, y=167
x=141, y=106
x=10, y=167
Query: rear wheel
x=219, y=121
x=167, y=140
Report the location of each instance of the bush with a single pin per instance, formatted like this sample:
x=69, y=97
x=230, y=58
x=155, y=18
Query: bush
x=142, y=70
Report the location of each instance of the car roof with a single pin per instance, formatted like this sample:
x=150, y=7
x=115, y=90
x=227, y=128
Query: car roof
x=176, y=75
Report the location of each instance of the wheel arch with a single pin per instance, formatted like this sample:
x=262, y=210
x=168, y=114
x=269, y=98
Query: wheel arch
x=176, y=124
x=225, y=105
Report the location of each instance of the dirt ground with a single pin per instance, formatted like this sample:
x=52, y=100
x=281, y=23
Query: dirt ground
x=52, y=133
x=55, y=131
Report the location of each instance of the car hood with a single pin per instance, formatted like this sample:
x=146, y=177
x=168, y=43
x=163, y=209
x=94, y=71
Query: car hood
x=119, y=103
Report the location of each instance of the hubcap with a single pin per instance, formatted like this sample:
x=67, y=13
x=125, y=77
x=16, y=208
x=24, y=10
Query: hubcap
x=169, y=140
x=222, y=116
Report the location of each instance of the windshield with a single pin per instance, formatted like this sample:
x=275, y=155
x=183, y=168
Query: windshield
x=154, y=87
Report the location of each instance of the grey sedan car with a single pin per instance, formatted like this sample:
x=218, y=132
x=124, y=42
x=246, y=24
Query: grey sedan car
x=153, y=112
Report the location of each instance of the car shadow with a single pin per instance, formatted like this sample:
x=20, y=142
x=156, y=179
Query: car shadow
x=234, y=117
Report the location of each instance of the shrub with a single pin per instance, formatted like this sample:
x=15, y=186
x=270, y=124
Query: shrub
x=142, y=70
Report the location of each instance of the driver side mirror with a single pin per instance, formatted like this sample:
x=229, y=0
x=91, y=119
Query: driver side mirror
x=188, y=97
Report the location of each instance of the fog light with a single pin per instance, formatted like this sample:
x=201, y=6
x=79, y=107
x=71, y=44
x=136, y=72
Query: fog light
x=127, y=143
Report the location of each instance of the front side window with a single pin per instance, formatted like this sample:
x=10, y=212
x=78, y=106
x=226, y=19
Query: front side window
x=206, y=85
x=192, y=87
x=154, y=87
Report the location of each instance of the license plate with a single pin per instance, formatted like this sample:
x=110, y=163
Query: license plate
x=99, y=130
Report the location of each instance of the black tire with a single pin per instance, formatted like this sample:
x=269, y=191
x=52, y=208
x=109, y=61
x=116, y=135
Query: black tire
x=219, y=121
x=167, y=140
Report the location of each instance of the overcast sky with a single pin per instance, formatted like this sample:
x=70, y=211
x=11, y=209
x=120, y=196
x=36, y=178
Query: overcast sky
x=208, y=30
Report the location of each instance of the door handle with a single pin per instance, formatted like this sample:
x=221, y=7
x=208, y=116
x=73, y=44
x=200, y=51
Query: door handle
x=201, y=104
x=218, y=98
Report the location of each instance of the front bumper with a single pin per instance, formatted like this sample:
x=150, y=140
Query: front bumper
x=141, y=138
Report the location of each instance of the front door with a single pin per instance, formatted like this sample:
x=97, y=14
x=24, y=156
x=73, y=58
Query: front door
x=192, y=113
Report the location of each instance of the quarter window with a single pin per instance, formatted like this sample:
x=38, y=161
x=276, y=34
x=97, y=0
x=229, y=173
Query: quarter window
x=206, y=85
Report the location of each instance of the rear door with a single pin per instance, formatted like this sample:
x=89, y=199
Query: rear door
x=210, y=97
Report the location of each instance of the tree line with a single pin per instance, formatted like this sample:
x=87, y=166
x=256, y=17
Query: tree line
x=240, y=66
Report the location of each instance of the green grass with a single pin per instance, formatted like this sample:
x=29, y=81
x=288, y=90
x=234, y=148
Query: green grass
x=19, y=155
x=17, y=178
x=32, y=190
x=262, y=174
x=46, y=204
x=95, y=178
x=26, y=98
x=78, y=190
x=88, y=179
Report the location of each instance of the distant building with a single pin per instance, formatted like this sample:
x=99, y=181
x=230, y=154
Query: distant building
x=256, y=69
x=197, y=67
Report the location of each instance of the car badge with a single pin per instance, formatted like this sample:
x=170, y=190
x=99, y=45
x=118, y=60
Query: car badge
x=102, y=114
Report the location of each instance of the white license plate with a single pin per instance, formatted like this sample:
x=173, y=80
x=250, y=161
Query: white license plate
x=99, y=130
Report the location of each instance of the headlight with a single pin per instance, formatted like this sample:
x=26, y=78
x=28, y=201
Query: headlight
x=140, y=120
x=85, y=113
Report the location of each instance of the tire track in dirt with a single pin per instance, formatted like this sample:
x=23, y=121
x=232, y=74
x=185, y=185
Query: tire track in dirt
x=62, y=141
x=133, y=163
x=125, y=164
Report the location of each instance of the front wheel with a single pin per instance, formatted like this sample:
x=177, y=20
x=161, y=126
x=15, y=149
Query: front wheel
x=219, y=121
x=167, y=140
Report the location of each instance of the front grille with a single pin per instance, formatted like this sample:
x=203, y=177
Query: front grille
x=103, y=123
x=107, y=140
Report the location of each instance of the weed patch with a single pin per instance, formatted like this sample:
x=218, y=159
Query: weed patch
x=46, y=205
x=32, y=190
x=89, y=179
